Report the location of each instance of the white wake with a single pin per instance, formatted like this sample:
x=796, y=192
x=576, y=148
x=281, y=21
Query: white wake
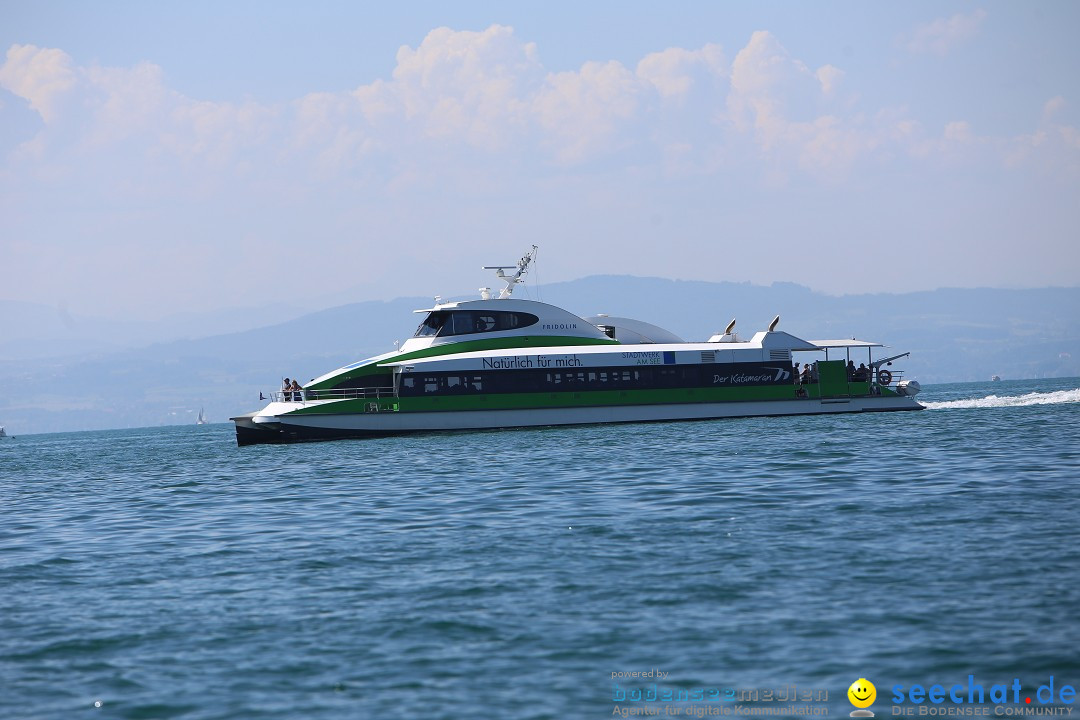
x=992, y=401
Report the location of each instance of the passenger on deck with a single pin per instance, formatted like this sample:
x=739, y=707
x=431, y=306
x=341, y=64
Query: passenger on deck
x=850, y=370
x=806, y=373
x=286, y=390
x=862, y=374
x=297, y=391
x=795, y=373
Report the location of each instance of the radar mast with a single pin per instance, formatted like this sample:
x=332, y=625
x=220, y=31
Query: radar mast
x=510, y=280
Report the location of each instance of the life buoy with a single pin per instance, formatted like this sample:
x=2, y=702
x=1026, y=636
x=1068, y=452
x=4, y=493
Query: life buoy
x=884, y=377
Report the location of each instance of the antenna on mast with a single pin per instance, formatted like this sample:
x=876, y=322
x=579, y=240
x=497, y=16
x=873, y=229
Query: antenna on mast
x=511, y=280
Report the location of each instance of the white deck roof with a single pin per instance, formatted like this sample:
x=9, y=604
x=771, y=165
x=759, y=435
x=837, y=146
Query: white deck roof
x=853, y=343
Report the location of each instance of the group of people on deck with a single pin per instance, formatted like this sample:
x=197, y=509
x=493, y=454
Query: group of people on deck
x=809, y=373
x=291, y=390
x=857, y=374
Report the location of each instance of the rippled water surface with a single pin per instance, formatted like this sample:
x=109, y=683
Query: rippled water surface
x=166, y=573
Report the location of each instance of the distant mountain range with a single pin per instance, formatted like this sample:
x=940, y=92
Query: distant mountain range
x=62, y=374
x=31, y=330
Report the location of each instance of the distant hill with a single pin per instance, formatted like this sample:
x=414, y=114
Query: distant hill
x=953, y=335
x=31, y=330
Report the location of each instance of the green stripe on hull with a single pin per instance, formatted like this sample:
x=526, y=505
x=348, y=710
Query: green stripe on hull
x=521, y=401
x=506, y=343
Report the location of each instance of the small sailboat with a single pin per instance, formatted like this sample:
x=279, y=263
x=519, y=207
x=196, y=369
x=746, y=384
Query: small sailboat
x=3, y=434
x=201, y=420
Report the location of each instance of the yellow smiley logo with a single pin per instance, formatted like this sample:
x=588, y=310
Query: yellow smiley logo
x=862, y=693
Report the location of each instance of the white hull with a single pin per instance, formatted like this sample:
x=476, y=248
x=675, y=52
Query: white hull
x=406, y=422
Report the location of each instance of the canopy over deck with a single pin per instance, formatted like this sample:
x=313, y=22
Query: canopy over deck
x=852, y=343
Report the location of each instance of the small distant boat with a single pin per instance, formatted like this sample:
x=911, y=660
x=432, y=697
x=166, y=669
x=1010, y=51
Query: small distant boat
x=201, y=420
x=3, y=434
x=995, y=378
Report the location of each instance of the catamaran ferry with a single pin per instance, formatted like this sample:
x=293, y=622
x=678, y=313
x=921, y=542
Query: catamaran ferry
x=509, y=363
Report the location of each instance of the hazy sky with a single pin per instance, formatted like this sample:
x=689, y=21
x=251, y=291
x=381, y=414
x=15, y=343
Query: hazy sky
x=161, y=157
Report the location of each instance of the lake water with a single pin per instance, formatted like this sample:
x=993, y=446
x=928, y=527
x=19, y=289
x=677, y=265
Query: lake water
x=166, y=573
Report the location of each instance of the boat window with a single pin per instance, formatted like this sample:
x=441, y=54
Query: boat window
x=442, y=384
x=469, y=322
x=514, y=320
x=535, y=380
x=465, y=323
x=431, y=325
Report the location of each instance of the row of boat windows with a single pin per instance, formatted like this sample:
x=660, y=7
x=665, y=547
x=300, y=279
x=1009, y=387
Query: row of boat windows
x=524, y=381
x=444, y=323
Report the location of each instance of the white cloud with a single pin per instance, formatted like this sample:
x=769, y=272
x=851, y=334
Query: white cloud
x=219, y=131
x=942, y=35
x=1054, y=144
x=766, y=82
x=1053, y=106
x=959, y=132
x=483, y=91
x=580, y=112
x=126, y=101
x=461, y=100
x=41, y=75
x=956, y=142
x=467, y=85
x=334, y=129
x=94, y=109
x=675, y=72
x=829, y=77
x=831, y=146
x=777, y=98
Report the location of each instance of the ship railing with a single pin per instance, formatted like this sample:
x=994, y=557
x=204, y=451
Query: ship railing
x=877, y=379
x=361, y=393
x=863, y=385
x=894, y=377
